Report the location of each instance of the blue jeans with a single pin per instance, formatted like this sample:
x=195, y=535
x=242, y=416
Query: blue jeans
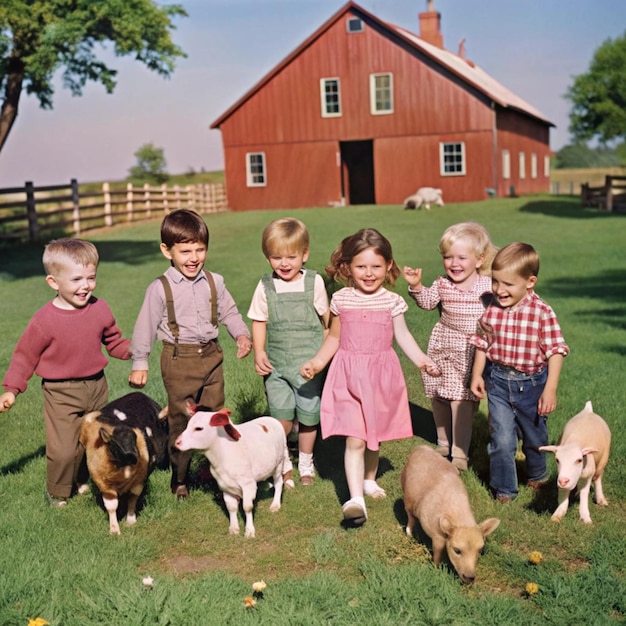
x=513, y=398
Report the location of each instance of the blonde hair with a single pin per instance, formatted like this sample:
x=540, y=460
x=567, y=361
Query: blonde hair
x=364, y=239
x=476, y=234
x=286, y=234
x=519, y=258
x=59, y=252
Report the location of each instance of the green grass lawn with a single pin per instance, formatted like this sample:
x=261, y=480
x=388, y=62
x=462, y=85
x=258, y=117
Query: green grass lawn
x=63, y=566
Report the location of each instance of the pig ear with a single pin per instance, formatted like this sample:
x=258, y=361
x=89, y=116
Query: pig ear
x=220, y=418
x=586, y=451
x=489, y=525
x=547, y=449
x=232, y=431
x=446, y=525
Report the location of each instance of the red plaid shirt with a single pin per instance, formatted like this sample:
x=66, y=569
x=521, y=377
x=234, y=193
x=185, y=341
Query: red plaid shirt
x=523, y=337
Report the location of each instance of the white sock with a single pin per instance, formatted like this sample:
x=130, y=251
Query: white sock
x=305, y=464
x=372, y=488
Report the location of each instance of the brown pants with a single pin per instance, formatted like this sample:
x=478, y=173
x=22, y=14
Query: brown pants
x=65, y=403
x=190, y=372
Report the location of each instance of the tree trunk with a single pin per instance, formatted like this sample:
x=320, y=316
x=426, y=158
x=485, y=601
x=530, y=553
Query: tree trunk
x=12, y=93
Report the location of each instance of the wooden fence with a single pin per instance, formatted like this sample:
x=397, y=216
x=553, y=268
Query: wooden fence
x=611, y=196
x=32, y=213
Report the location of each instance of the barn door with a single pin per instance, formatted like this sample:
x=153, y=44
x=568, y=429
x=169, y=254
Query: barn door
x=357, y=171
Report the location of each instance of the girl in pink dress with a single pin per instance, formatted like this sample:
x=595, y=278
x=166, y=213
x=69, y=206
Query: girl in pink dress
x=365, y=397
x=462, y=296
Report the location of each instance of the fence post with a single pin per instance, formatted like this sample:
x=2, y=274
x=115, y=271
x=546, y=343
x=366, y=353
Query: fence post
x=146, y=198
x=31, y=211
x=106, y=192
x=191, y=199
x=129, y=202
x=609, y=193
x=177, y=196
x=164, y=194
x=75, y=206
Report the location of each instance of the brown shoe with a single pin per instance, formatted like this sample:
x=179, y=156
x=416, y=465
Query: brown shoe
x=504, y=499
x=306, y=481
x=536, y=484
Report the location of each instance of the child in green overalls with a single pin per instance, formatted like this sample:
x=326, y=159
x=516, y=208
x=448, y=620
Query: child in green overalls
x=289, y=313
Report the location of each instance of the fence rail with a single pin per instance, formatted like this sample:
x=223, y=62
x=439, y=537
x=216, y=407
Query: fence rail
x=31, y=213
x=611, y=196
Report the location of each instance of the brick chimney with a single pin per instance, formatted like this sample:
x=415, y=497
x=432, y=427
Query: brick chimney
x=430, y=25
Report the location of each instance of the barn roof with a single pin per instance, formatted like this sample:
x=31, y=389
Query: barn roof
x=466, y=70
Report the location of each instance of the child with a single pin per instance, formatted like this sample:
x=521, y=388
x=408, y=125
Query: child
x=182, y=308
x=519, y=355
x=467, y=252
x=365, y=397
x=62, y=343
x=289, y=312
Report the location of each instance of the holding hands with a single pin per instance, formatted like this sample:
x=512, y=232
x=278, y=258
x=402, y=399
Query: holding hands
x=413, y=276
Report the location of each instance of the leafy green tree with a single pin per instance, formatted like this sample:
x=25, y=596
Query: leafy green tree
x=151, y=166
x=39, y=37
x=599, y=96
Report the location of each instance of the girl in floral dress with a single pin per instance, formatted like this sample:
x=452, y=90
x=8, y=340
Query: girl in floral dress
x=365, y=397
x=462, y=295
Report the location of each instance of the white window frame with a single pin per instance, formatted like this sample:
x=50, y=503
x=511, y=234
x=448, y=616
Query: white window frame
x=533, y=165
x=546, y=166
x=386, y=91
x=256, y=173
x=356, y=21
x=506, y=165
x=522, y=166
x=325, y=96
x=452, y=162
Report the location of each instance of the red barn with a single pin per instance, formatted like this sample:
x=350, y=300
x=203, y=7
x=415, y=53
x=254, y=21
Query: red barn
x=365, y=112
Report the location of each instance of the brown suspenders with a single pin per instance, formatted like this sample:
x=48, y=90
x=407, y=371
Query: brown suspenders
x=169, y=302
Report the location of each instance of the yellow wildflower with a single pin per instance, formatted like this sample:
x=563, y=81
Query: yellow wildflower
x=259, y=586
x=532, y=589
x=535, y=557
x=38, y=621
x=249, y=602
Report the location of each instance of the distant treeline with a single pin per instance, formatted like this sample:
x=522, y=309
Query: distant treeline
x=580, y=155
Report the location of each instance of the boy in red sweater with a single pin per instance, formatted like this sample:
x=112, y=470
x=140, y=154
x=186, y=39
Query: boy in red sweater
x=63, y=345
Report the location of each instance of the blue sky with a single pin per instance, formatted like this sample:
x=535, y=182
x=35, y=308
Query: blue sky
x=534, y=48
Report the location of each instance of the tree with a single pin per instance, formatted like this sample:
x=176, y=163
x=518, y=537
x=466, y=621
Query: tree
x=38, y=37
x=151, y=165
x=599, y=96
x=581, y=155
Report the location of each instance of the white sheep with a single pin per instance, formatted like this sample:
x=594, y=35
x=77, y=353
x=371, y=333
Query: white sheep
x=435, y=495
x=240, y=456
x=424, y=196
x=581, y=456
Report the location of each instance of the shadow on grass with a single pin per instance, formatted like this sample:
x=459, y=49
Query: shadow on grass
x=19, y=464
x=567, y=206
x=25, y=261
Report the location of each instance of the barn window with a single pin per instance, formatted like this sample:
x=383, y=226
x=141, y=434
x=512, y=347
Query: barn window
x=255, y=169
x=522, y=166
x=546, y=166
x=506, y=164
x=452, y=158
x=533, y=165
x=354, y=25
x=331, y=97
x=381, y=94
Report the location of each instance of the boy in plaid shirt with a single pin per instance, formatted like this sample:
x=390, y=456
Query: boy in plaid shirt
x=519, y=355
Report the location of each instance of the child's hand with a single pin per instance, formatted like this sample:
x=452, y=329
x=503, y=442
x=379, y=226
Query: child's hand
x=547, y=402
x=262, y=364
x=7, y=400
x=138, y=378
x=308, y=370
x=413, y=276
x=477, y=387
x=430, y=367
x=244, y=346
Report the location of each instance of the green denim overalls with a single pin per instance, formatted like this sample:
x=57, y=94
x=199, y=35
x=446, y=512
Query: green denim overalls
x=294, y=335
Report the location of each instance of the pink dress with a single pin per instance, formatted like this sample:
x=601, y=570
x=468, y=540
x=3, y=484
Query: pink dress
x=365, y=393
